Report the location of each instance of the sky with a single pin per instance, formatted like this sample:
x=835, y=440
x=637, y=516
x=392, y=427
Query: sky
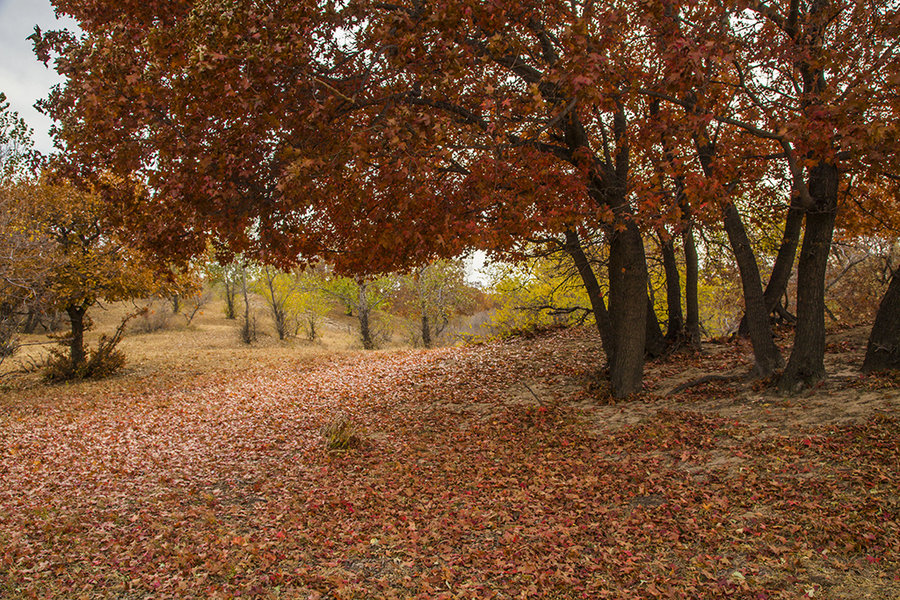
x=23, y=78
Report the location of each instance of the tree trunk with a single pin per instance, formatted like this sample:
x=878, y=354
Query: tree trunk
x=76, y=341
x=248, y=333
x=806, y=367
x=595, y=294
x=32, y=320
x=426, y=330
x=275, y=303
x=230, y=293
x=675, y=326
x=784, y=262
x=883, y=351
x=691, y=285
x=362, y=313
x=765, y=352
x=655, y=343
x=627, y=310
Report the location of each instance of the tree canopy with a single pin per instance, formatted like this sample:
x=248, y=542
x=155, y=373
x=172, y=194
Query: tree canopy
x=382, y=135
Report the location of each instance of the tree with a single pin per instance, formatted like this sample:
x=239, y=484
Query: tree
x=312, y=303
x=228, y=275
x=816, y=82
x=89, y=264
x=537, y=293
x=432, y=295
x=279, y=291
x=25, y=257
x=362, y=296
x=382, y=135
x=461, y=127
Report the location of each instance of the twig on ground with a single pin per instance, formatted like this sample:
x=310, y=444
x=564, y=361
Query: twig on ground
x=536, y=397
x=701, y=380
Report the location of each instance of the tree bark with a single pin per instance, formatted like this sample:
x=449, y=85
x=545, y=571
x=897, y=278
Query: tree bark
x=883, y=351
x=275, y=303
x=76, y=341
x=363, y=313
x=426, y=330
x=230, y=293
x=248, y=330
x=655, y=343
x=765, y=352
x=574, y=249
x=784, y=262
x=691, y=285
x=806, y=366
x=675, y=326
x=627, y=309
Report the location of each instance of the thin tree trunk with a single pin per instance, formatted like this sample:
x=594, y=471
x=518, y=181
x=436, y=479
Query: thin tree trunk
x=765, y=352
x=426, y=330
x=691, y=285
x=275, y=303
x=679, y=327
x=675, y=326
x=230, y=293
x=787, y=252
x=766, y=355
x=247, y=330
x=362, y=313
x=784, y=262
x=574, y=249
x=883, y=351
x=806, y=366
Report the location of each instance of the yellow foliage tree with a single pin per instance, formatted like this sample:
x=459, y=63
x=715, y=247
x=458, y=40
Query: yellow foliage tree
x=90, y=263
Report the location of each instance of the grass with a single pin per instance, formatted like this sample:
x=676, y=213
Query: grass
x=210, y=344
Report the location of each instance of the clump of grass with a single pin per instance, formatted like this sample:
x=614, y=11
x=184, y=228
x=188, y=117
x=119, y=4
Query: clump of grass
x=341, y=434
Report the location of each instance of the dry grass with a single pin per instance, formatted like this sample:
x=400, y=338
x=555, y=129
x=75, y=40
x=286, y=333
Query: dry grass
x=210, y=345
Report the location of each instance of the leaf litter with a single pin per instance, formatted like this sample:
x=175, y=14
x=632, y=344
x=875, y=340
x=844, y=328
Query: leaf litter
x=489, y=471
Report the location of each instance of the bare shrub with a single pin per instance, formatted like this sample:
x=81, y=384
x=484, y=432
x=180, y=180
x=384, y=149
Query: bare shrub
x=157, y=317
x=194, y=305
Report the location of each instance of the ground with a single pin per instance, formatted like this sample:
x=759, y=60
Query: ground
x=497, y=470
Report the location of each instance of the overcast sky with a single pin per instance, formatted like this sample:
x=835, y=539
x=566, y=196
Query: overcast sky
x=23, y=78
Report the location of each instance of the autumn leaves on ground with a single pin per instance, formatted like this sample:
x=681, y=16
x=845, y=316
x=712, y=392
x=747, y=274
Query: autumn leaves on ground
x=495, y=470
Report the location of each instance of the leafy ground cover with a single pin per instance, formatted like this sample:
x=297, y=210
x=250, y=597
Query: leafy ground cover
x=487, y=471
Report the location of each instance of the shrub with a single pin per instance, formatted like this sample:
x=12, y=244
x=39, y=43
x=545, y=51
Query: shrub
x=103, y=361
x=341, y=434
x=9, y=338
x=156, y=318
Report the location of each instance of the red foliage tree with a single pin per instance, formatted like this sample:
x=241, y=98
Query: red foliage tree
x=381, y=135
